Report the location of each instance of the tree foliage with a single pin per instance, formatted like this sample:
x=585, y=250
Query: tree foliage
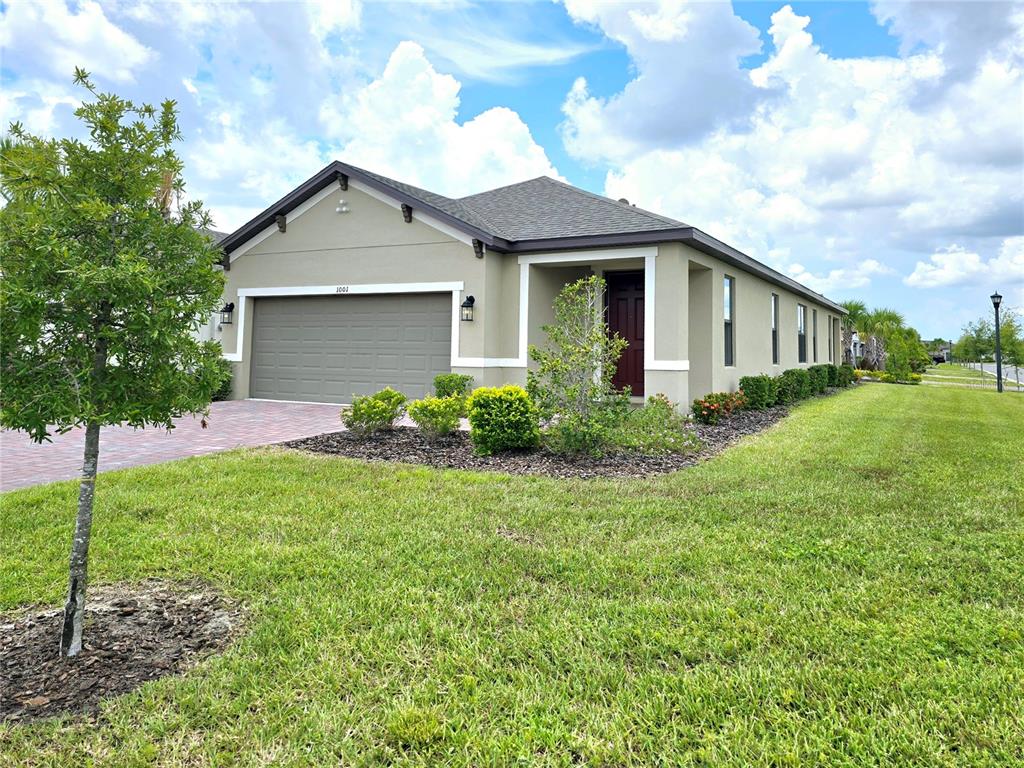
x=106, y=277
x=95, y=262
x=572, y=384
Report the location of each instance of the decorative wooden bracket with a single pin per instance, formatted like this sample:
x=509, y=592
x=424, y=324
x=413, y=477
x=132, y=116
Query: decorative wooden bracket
x=407, y=212
x=478, y=248
x=225, y=261
x=282, y=222
x=343, y=181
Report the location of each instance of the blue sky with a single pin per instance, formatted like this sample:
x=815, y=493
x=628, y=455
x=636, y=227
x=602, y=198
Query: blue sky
x=870, y=150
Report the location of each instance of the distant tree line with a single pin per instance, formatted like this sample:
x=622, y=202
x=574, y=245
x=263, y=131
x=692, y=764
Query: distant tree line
x=978, y=340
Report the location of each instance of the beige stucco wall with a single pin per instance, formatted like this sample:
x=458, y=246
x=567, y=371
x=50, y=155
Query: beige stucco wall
x=368, y=245
x=752, y=327
x=373, y=244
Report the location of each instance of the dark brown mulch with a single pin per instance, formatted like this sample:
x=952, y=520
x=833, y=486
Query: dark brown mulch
x=407, y=445
x=133, y=633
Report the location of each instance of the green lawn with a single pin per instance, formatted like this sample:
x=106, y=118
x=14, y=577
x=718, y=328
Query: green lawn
x=846, y=589
x=958, y=375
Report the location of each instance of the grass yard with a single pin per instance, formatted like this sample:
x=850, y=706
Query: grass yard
x=845, y=589
x=951, y=374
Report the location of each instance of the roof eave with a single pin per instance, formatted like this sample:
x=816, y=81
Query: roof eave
x=330, y=175
x=690, y=236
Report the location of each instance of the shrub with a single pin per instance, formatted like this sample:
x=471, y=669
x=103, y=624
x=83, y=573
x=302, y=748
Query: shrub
x=833, y=375
x=437, y=416
x=448, y=384
x=915, y=378
x=711, y=408
x=374, y=413
x=572, y=384
x=794, y=385
x=819, y=378
x=846, y=377
x=860, y=373
x=759, y=391
x=502, y=419
x=656, y=428
x=223, y=390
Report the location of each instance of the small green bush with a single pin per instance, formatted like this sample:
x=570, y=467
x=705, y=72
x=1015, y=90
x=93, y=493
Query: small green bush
x=223, y=390
x=437, y=416
x=845, y=375
x=656, y=428
x=915, y=378
x=794, y=385
x=374, y=413
x=448, y=384
x=759, y=391
x=833, y=375
x=819, y=378
x=502, y=419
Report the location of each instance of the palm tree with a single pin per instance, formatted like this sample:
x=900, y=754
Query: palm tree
x=881, y=325
x=852, y=323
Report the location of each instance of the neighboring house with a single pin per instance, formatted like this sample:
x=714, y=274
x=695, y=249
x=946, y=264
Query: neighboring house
x=354, y=281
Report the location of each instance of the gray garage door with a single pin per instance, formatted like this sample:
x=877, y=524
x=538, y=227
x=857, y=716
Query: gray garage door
x=327, y=348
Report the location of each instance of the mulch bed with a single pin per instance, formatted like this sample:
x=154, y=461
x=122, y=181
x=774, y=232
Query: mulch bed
x=133, y=633
x=407, y=445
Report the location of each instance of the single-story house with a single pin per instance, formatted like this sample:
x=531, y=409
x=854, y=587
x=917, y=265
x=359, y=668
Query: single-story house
x=354, y=281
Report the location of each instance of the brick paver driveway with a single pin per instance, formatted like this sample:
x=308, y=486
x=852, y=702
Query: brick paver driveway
x=230, y=425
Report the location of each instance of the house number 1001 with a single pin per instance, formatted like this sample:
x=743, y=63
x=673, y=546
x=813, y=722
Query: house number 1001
x=342, y=289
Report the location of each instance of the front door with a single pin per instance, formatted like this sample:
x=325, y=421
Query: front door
x=626, y=318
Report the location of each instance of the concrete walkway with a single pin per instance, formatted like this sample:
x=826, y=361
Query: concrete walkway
x=230, y=425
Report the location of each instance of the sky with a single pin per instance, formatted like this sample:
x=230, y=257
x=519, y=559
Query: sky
x=873, y=151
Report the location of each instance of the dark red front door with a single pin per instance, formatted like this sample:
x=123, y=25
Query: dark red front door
x=626, y=318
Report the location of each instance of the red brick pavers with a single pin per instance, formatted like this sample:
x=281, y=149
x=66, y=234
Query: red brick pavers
x=230, y=425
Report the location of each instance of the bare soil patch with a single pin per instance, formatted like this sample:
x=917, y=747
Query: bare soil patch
x=133, y=633
x=409, y=446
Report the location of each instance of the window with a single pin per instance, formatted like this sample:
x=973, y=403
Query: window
x=775, y=329
x=801, y=333
x=831, y=352
x=730, y=300
x=814, y=334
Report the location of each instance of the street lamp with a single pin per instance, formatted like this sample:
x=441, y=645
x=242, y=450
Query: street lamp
x=996, y=301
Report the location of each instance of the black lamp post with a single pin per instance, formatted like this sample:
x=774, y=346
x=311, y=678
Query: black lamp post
x=996, y=301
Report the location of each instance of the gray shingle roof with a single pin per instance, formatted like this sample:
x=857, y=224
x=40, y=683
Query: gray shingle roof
x=544, y=208
x=533, y=215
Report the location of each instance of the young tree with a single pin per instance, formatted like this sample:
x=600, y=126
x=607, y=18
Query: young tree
x=572, y=384
x=102, y=287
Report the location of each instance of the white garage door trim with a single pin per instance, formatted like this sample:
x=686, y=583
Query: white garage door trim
x=454, y=287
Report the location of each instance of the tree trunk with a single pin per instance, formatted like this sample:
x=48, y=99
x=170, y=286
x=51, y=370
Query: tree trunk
x=74, y=609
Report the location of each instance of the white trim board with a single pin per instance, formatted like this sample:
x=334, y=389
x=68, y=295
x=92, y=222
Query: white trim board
x=455, y=287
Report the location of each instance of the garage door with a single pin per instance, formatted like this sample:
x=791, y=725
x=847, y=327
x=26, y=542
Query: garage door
x=327, y=348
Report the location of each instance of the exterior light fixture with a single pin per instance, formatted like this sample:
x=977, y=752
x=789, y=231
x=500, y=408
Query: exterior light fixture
x=225, y=313
x=467, y=309
x=996, y=301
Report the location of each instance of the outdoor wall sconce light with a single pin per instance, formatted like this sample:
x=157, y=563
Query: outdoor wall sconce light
x=467, y=309
x=225, y=313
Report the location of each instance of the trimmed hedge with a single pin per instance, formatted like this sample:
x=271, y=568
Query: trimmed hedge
x=794, y=384
x=845, y=375
x=833, y=375
x=819, y=378
x=374, y=413
x=437, y=416
x=448, y=384
x=502, y=419
x=759, y=391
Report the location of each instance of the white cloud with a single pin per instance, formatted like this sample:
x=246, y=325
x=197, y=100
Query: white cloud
x=687, y=77
x=858, y=276
x=189, y=86
x=404, y=125
x=54, y=37
x=332, y=16
x=955, y=265
x=835, y=163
